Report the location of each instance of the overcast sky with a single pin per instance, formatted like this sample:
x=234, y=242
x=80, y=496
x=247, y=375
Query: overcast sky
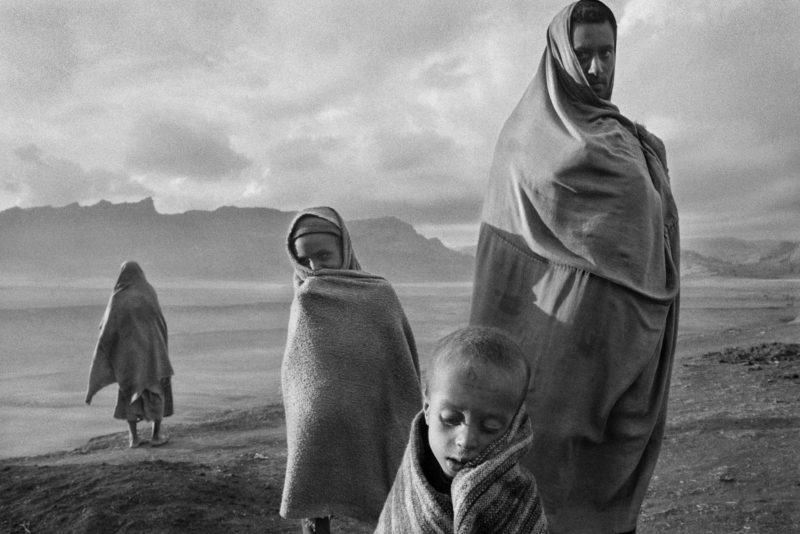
x=379, y=107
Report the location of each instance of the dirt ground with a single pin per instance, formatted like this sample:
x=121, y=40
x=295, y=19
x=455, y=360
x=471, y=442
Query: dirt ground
x=729, y=463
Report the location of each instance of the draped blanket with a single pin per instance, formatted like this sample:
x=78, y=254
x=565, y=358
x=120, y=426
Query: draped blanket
x=493, y=494
x=132, y=347
x=350, y=380
x=578, y=260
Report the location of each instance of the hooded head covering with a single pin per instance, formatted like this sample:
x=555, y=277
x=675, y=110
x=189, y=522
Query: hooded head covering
x=130, y=274
x=559, y=41
x=578, y=181
x=320, y=220
x=311, y=224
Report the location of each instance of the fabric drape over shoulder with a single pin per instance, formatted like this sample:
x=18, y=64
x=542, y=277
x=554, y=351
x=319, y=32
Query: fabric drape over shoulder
x=578, y=260
x=350, y=381
x=492, y=494
x=132, y=348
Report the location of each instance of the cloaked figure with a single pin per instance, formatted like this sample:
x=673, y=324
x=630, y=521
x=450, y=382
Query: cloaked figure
x=350, y=379
x=578, y=259
x=132, y=351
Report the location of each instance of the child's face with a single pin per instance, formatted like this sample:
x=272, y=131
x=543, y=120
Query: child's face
x=466, y=409
x=319, y=251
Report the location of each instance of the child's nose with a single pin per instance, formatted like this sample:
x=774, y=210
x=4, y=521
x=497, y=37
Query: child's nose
x=467, y=438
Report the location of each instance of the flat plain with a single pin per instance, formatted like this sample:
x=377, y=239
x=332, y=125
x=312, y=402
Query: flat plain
x=729, y=462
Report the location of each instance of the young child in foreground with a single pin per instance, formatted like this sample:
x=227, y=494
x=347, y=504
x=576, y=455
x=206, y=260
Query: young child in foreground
x=460, y=471
x=350, y=379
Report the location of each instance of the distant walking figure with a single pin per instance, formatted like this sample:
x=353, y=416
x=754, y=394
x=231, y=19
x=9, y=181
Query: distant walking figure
x=578, y=260
x=132, y=351
x=350, y=379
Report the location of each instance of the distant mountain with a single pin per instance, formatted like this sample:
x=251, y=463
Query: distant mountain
x=731, y=257
x=227, y=243
x=740, y=258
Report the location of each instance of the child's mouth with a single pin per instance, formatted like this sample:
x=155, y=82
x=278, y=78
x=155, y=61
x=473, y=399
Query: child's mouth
x=456, y=465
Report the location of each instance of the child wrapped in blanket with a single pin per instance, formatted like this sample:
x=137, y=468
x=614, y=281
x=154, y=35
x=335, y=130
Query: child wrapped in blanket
x=350, y=379
x=460, y=471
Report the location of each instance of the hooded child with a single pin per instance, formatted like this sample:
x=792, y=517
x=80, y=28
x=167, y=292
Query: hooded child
x=350, y=379
x=460, y=472
x=578, y=260
x=132, y=351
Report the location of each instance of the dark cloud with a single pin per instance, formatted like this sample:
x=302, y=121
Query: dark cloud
x=29, y=153
x=183, y=149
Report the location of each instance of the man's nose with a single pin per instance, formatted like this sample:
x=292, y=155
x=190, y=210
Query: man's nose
x=596, y=66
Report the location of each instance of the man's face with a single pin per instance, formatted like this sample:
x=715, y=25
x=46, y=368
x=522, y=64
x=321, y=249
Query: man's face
x=593, y=45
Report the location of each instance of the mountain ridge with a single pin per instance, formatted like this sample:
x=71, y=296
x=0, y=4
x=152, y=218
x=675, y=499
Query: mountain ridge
x=226, y=243
x=234, y=243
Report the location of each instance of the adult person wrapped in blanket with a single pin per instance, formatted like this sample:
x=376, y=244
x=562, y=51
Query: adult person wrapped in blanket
x=132, y=350
x=492, y=494
x=578, y=260
x=350, y=380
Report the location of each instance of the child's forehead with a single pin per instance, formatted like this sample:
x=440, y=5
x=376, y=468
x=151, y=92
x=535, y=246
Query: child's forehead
x=474, y=375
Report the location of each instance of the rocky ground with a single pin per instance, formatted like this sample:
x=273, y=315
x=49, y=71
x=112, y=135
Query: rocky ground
x=729, y=463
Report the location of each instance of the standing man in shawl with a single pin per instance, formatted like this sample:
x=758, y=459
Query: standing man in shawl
x=132, y=351
x=578, y=260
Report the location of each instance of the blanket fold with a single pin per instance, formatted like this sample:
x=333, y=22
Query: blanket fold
x=132, y=347
x=350, y=382
x=493, y=494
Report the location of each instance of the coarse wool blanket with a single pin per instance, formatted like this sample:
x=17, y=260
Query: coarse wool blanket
x=132, y=347
x=350, y=382
x=578, y=260
x=492, y=494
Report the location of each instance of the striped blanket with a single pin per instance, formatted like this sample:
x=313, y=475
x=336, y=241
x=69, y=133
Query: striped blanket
x=492, y=495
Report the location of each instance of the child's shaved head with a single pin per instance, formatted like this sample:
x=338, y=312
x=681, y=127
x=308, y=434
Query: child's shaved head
x=473, y=347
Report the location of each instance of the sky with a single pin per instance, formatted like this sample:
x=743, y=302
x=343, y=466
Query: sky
x=380, y=107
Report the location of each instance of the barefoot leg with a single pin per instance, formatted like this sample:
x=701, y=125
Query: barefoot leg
x=135, y=440
x=158, y=438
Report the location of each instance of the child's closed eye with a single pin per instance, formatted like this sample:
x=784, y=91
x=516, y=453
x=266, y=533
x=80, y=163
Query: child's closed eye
x=492, y=426
x=450, y=418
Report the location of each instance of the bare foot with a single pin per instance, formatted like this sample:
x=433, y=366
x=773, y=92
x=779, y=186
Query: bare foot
x=158, y=441
x=137, y=442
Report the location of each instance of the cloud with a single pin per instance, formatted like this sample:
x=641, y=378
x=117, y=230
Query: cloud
x=301, y=154
x=401, y=152
x=183, y=148
x=377, y=107
x=35, y=179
